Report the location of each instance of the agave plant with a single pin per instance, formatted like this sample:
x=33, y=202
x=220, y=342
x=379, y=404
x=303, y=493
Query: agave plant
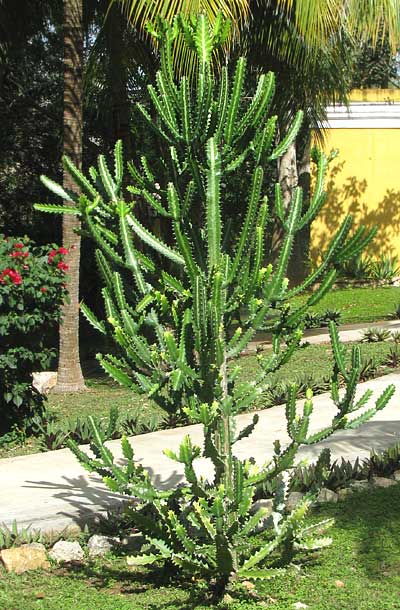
x=385, y=268
x=376, y=335
x=171, y=307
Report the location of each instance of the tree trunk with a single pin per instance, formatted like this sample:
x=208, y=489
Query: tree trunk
x=299, y=266
x=290, y=176
x=70, y=378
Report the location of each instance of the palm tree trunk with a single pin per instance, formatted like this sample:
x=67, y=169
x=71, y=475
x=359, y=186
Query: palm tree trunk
x=70, y=378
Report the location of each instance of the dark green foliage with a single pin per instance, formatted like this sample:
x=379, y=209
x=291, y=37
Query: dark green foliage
x=31, y=293
x=393, y=357
x=324, y=473
x=368, y=369
x=316, y=320
x=374, y=66
x=357, y=268
x=54, y=434
x=383, y=463
x=385, y=268
x=334, y=475
x=31, y=90
x=171, y=308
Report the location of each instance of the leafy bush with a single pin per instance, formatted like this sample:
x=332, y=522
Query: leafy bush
x=31, y=293
x=171, y=306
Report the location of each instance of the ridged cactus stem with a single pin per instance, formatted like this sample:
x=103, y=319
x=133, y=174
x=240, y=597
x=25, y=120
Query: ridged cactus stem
x=169, y=308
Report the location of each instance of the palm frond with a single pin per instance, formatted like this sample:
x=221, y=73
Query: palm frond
x=141, y=12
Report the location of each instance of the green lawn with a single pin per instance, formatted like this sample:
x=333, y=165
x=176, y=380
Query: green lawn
x=360, y=571
x=360, y=304
x=314, y=361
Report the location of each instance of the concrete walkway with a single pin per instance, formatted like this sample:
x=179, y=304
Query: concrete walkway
x=51, y=491
x=316, y=336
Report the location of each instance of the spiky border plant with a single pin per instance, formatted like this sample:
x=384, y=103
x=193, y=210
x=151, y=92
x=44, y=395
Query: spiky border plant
x=172, y=310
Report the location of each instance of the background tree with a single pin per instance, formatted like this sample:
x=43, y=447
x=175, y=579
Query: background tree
x=375, y=67
x=70, y=378
x=311, y=48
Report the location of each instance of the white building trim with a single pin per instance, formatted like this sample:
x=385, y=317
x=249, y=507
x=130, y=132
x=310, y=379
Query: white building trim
x=364, y=115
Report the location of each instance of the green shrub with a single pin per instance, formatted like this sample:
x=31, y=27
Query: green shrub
x=171, y=308
x=31, y=293
x=385, y=268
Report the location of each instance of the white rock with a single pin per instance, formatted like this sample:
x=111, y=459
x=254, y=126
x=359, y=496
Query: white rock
x=382, y=482
x=45, y=381
x=65, y=551
x=268, y=505
x=396, y=475
x=326, y=495
x=359, y=485
x=293, y=499
x=299, y=605
x=344, y=493
x=100, y=545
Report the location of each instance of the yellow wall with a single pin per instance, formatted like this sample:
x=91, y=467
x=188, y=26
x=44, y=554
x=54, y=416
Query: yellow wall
x=375, y=95
x=363, y=180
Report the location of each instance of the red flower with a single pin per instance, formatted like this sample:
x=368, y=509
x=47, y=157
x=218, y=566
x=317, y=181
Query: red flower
x=19, y=245
x=19, y=254
x=62, y=250
x=62, y=266
x=25, y=266
x=43, y=289
x=52, y=254
x=14, y=276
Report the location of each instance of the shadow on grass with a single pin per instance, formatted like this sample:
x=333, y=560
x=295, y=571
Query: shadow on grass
x=116, y=578
x=371, y=522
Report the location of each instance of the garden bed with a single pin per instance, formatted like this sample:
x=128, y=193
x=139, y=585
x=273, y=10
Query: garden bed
x=311, y=365
x=361, y=570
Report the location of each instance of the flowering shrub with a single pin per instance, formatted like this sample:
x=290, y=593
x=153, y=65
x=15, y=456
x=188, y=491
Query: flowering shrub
x=32, y=288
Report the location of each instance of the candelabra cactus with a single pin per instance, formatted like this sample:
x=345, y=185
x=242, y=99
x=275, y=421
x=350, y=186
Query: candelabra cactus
x=172, y=310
